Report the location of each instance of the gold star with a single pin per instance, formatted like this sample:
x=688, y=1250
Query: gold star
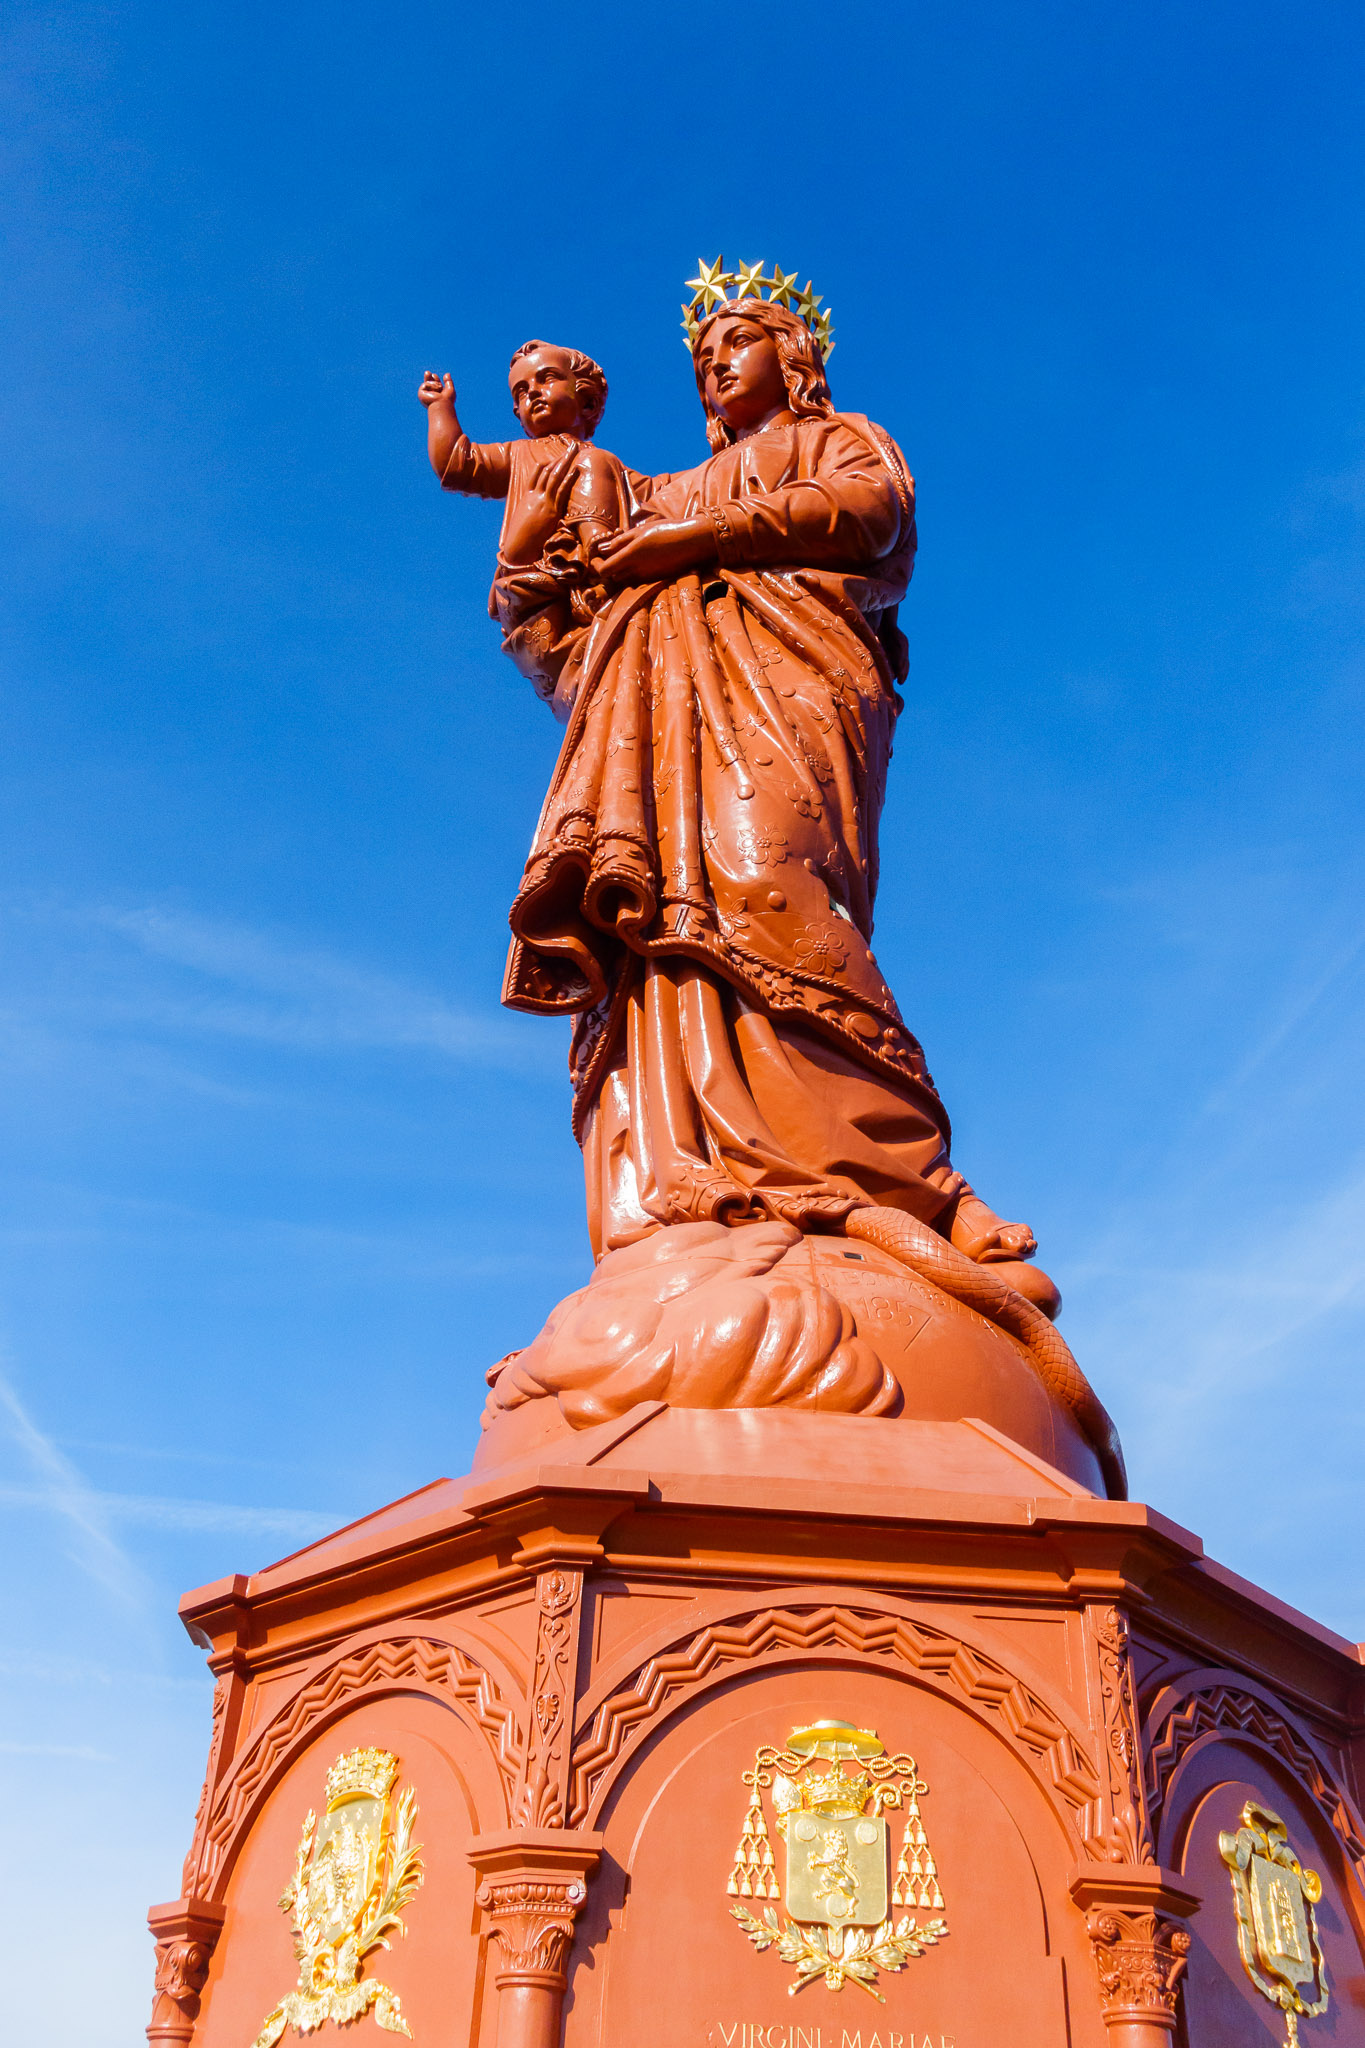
x=749, y=278
x=710, y=283
x=824, y=329
x=689, y=323
x=784, y=288
x=807, y=305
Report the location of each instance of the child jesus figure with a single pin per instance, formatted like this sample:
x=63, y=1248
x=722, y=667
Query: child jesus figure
x=563, y=497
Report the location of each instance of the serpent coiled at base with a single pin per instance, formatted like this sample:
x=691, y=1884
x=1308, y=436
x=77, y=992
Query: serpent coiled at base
x=933, y=1258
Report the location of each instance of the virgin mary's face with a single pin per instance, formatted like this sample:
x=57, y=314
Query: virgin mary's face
x=741, y=373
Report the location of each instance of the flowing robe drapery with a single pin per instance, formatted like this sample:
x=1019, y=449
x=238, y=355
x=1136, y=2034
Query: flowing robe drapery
x=700, y=890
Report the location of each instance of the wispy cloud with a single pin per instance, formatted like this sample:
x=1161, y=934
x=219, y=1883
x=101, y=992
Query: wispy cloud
x=1218, y=1299
x=1225, y=1338
x=63, y=1490
x=315, y=998
x=430, y=1252
x=157, y=970
x=79, y=1750
x=1299, y=1006
x=1205, y=1327
x=165, y=1511
x=83, y=1673
x=92, y=1515
x=173, y=1454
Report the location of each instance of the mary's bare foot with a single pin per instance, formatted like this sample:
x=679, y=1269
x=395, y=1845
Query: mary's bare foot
x=982, y=1235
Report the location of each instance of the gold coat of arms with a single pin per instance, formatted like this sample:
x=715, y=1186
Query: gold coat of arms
x=355, y=1871
x=830, y=1791
x=1277, y=1930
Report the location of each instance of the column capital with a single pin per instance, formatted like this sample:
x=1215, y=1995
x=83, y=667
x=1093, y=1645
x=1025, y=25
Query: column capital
x=532, y=1886
x=1134, y=1915
x=185, y=1932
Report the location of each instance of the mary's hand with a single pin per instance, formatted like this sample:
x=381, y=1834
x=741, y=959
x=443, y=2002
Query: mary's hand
x=657, y=547
x=541, y=508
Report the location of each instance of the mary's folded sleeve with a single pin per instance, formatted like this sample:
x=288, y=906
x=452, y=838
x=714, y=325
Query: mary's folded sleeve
x=844, y=517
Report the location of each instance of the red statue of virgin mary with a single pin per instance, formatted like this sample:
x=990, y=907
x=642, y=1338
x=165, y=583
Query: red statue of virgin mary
x=699, y=897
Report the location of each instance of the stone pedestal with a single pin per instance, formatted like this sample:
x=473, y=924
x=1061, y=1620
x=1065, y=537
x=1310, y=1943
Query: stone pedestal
x=576, y=1657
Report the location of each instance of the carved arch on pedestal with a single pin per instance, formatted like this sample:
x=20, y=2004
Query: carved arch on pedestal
x=618, y=1714
x=406, y=1663
x=1221, y=1706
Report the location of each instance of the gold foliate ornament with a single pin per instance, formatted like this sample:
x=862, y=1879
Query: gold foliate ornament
x=1277, y=1930
x=354, y=1872
x=714, y=286
x=840, y=1896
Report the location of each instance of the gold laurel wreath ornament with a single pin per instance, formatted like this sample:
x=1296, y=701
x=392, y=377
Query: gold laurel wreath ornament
x=354, y=1872
x=714, y=286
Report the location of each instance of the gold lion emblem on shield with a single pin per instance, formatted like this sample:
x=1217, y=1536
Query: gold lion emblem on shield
x=841, y=1921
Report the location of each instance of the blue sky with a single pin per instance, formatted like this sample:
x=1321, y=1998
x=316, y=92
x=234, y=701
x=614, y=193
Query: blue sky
x=278, y=1178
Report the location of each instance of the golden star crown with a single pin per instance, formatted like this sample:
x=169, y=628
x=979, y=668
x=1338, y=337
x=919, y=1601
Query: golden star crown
x=362, y=1773
x=714, y=286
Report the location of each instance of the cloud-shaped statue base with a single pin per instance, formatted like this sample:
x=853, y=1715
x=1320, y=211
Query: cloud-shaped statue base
x=699, y=1315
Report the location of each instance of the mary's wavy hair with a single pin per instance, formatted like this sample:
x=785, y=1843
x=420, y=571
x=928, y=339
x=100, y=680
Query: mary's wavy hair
x=798, y=352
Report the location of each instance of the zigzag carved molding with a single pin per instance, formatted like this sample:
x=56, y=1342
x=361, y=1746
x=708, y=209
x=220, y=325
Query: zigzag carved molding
x=431, y=1666
x=1225, y=1710
x=891, y=1638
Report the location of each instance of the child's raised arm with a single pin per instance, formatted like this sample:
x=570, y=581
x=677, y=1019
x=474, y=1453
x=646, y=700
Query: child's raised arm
x=443, y=427
x=461, y=464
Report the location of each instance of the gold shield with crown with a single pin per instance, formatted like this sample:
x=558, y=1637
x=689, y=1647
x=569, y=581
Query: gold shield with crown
x=354, y=1872
x=831, y=1787
x=1277, y=1930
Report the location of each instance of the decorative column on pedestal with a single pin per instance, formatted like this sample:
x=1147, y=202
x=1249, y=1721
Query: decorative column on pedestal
x=186, y=1930
x=533, y=1887
x=1134, y=1915
x=1134, y=1910
x=533, y=1877
x=185, y=1933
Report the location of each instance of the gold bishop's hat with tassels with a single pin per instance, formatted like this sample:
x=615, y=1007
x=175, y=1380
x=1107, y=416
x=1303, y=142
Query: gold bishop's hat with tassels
x=714, y=286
